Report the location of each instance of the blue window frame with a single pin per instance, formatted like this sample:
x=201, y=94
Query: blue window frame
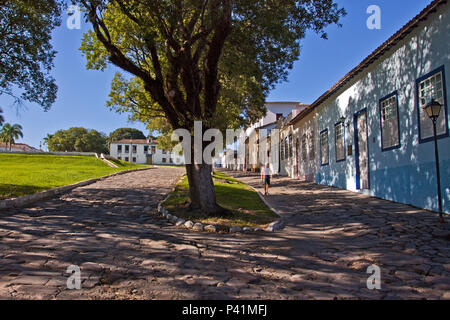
x=324, y=148
x=339, y=141
x=432, y=85
x=389, y=122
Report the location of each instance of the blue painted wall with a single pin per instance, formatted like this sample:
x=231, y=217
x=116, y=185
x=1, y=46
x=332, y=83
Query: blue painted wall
x=406, y=174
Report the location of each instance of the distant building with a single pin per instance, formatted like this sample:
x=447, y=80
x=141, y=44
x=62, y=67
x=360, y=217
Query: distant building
x=144, y=151
x=260, y=131
x=18, y=147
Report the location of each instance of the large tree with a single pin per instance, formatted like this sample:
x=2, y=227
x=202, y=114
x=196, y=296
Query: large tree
x=26, y=54
x=200, y=60
x=77, y=140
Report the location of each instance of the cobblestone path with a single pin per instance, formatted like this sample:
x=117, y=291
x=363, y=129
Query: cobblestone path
x=111, y=231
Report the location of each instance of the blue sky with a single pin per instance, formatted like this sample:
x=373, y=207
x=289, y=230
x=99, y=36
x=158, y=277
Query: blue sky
x=83, y=93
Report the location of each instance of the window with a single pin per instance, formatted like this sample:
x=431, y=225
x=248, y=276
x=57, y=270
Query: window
x=119, y=149
x=312, y=150
x=164, y=151
x=134, y=159
x=282, y=150
x=279, y=116
x=153, y=149
x=145, y=149
x=291, y=147
x=390, y=134
x=304, y=148
x=286, y=148
x=324, y=148
x=164, y=160
x=119, y=158
x=127, y=159
x=171, y=160
x=127, y=149
x=134, y=149
x=340, y=141
x=428, y=87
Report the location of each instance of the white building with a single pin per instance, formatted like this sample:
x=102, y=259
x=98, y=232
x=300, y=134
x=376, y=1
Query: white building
x=143, y=151
x=258, y=132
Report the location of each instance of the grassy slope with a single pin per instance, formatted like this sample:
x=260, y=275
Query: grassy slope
x=26, y=174
x=248, y=209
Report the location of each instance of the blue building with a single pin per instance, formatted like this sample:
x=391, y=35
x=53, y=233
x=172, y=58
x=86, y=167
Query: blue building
x=370, y=133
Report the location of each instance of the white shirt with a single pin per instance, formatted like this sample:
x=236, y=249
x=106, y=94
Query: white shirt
x=267, y=171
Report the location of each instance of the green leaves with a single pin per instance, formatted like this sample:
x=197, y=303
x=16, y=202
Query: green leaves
x=214, y=61
x=9, y=133
x=77, y=140
x=126, y=133
x=26, y=54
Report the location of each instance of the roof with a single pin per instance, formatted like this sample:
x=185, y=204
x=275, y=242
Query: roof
x=18, y=146
x=374, y=56
x=135, y=141
x=266, y=126
x=283, y=102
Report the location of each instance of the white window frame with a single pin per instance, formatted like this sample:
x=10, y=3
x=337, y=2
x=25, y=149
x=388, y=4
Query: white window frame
x=390, y=122
x=339, y=141
x=430, y=86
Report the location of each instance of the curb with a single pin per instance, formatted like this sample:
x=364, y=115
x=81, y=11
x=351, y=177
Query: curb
x=181, y=223
x=25, y=201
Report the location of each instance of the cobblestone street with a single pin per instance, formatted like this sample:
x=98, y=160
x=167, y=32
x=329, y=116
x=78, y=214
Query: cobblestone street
x=111, y=231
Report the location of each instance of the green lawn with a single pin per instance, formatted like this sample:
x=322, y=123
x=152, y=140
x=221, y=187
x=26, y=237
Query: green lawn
x=247, y=208
x=27, y=174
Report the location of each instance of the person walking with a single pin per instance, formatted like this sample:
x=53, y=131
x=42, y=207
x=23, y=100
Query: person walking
x=266, y=176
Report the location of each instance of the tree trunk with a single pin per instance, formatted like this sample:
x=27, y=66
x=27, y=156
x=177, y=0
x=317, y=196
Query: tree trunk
x=201, y=189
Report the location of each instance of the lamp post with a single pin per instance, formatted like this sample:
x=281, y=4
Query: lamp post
x=433, y=109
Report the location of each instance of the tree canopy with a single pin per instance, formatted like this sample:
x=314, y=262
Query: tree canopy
x=126, y=133
x=213, y=61
x=77, y=140
x=26, y=54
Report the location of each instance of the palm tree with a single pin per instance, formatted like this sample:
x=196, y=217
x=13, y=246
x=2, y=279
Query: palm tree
x=10, y=132
x=1, y=117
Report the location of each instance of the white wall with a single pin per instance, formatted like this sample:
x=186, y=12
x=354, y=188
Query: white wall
x=307, y=126
x=141, y=156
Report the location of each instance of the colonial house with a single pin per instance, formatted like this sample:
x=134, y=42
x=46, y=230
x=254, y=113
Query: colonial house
x=144, y=151
x=255, y=152
x=369, y=132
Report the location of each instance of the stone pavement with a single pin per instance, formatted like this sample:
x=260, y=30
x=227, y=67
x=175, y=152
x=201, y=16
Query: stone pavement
x=111, y=231
x=345, y=231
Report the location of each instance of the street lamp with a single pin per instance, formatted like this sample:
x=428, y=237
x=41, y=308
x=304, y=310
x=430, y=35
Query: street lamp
x=433, y=109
